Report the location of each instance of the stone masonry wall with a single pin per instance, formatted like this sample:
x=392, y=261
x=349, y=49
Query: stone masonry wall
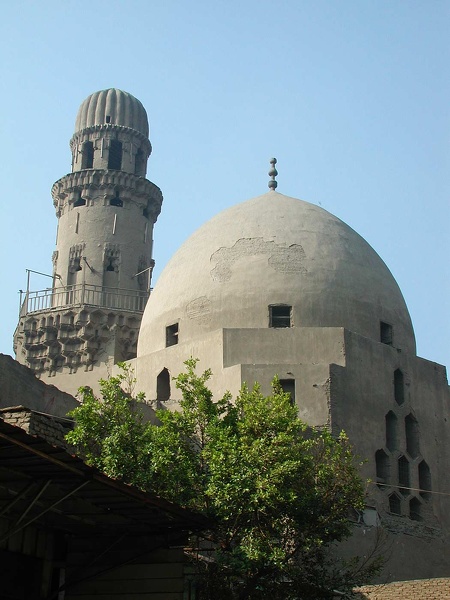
x=423, y=589
x=51, y=429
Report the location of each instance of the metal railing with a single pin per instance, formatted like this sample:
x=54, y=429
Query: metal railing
x=84, y=293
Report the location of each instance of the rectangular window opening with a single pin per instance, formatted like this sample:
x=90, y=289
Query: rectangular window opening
x=115, y=155
x=288, y=387
x=385, y=333
x=172, y=335
x=280, y=315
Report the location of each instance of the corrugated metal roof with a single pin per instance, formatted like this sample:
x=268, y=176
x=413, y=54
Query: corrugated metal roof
x=46, y=485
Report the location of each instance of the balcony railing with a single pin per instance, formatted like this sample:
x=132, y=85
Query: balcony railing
x=83, y=293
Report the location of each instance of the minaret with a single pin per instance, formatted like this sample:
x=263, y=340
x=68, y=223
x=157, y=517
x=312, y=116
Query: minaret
x=89, y=320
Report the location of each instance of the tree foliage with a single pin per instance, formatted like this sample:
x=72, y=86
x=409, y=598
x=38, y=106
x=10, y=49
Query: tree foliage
x=277, y=492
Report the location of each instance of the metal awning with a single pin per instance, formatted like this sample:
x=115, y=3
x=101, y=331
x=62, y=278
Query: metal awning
x=47, y=486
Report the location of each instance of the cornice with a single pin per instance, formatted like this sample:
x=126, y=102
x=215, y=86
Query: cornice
x=111, y=128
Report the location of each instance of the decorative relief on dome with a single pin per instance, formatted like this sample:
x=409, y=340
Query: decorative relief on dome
x=281, y=258
x=199, y=308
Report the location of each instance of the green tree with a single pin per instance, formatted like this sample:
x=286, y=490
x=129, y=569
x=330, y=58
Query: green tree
x=277, y=492
x=111, y=433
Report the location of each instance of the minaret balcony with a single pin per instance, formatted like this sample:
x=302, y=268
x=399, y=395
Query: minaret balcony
x=64, y=297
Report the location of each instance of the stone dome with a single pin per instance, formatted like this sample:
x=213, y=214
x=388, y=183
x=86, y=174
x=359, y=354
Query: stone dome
x=274, y=250
x=114, y=107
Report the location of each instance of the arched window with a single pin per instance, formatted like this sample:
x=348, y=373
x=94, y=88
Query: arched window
x=80, y=201
x=395, y=504
x=163, y=385
x=382, y=466
x=403, y=474
x=424, y=479
x=412, y=436
x=115, y=155
x=116, y=201
x=399, y=390
x=415, y=509
x=87, y=160
x=391, y=431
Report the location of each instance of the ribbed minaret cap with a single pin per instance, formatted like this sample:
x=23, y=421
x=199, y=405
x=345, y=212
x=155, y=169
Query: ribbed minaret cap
x=114, y=107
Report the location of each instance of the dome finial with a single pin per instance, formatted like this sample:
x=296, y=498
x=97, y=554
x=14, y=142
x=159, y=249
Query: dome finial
x=273, y=173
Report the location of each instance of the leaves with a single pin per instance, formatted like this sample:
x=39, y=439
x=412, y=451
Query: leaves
x=277, y=491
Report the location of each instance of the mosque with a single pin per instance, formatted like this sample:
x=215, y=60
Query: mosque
x=271, y=286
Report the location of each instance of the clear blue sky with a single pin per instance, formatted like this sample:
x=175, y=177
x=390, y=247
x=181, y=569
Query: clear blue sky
x=351, y=96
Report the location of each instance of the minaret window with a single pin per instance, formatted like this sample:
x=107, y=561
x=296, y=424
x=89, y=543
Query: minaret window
x=87, y=161
x=115, y=155
x=143, y=276
x=75, y=264
x=79, y=201
x=139, y=166
x=116, y=201
x=111, y=260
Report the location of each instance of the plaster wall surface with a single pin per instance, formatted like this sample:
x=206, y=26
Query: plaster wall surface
x=363, y=393
x=208, y=349
x=269, y=346
x=274, y=250
x=312, y=387
x=346, y=381
x=19, y=382
x=249, y=355
x=99, y=228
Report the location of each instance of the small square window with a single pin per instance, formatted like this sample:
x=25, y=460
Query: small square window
x=280, y=315
x=385, y=333
x=172, y=335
